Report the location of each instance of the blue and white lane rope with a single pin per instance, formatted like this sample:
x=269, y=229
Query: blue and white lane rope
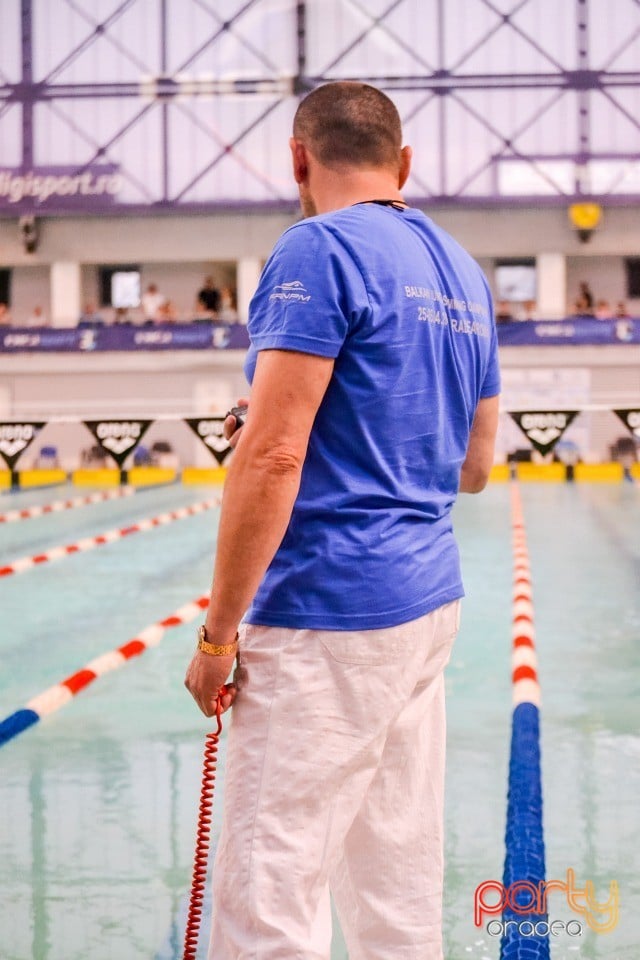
x=524, y=838
x=55, y=697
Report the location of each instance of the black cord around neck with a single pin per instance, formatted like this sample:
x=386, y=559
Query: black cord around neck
x=396, y=204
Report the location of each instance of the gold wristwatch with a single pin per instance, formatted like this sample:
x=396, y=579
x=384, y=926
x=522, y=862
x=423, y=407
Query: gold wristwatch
x=216, y=650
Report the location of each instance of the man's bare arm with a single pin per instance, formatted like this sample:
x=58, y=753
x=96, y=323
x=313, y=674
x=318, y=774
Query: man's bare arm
x=263, y=480
x=477, y=465
x=260, y=491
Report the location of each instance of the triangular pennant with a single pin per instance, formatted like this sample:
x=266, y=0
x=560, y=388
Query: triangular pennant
x=543, y=428
x=15, y=438
x=118, y=438
x=210, y=432
x=631, y=419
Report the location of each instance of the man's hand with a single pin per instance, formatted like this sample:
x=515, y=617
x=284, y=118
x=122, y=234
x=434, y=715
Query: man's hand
x=205, y=675
x=229, y=426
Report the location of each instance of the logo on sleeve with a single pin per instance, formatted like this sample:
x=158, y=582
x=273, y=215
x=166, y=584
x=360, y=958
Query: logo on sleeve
x=294, y=290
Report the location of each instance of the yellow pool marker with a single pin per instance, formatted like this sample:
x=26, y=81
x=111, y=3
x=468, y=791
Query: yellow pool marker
x=541, y=472
x=598, y=472
x=106, y=477
x=33, y=478
x=150, y=476
x=500, y=473
x=195, y=475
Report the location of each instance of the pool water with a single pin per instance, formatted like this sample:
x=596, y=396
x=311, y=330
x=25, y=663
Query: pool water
x=98, y=801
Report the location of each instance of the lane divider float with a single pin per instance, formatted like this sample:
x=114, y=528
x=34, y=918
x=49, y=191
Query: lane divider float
x=109, y=536
x=11, y=516
x=524, y=865
x=57, y=696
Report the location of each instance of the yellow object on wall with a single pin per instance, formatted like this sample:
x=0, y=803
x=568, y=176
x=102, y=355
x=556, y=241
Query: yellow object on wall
x=541, y=472
x=193, y=475
x=150, y=476
x=104, y=477
x=598, y=472
x=500, y=473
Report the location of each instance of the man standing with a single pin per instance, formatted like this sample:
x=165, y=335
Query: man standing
x=208, y=299
x=373, y=365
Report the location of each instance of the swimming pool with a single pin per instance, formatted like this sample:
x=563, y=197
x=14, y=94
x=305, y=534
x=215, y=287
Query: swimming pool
x=98, y=801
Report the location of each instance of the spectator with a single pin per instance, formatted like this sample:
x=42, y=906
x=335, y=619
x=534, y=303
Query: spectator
x=5, y=316
x=152, y=300
x=208, y=300
x=503, y=311
x=580, y=308
x=621, y=311
x=90, y=313
x=167, y=312
x=37, y=318
x=586, y=296
x=603, y=310
x=529, y=310
x=122, y=315
x=228, y=311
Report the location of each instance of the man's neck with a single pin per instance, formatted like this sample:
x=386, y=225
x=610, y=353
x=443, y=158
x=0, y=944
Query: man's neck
x=332, y=190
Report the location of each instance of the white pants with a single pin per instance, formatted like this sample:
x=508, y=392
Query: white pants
x=335, y=780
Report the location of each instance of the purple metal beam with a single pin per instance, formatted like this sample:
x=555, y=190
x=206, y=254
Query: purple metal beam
x=584, y=97
x=447, y=84
x=290, y=207
x=299, y=87
x=443, y=152
x=441, y=82
x=26, y=26
x=164, y=66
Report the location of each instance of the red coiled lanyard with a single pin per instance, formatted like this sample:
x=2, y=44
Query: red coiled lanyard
x=203, y=836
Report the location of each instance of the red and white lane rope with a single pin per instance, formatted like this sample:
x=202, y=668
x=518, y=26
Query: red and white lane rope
x=109, y=536
x=524, y=662
x=11, y=516
x=57, y=696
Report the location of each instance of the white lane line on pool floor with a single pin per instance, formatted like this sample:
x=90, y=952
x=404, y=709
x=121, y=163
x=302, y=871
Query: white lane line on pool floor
x=109, y=536
x=41, y=510
x=55, y=697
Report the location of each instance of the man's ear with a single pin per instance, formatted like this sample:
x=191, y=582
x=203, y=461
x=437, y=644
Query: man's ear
x=299, y=158
x=406, y=155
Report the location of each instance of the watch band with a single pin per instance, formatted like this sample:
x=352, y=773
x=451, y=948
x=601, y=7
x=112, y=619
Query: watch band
x=214, y=649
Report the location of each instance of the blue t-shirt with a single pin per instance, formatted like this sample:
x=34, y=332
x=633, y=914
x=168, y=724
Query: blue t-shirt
x=407, y=315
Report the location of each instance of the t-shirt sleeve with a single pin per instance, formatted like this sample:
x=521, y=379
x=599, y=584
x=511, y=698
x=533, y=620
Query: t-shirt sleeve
x=309, y=294
x=491, y=382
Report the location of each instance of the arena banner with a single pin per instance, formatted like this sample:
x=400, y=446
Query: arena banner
x=543, y=428
x=94, y=339
x=49, y=189
x=15, y=438
x=580, y=331
x=118, y=438
x=209, y=430
x=631, y=420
